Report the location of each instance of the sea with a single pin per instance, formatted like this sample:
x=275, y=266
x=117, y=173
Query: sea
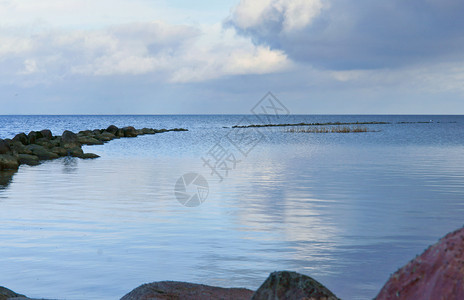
x=347, y=209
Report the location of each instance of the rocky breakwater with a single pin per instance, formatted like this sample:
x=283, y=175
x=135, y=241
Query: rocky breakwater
x=38, y=146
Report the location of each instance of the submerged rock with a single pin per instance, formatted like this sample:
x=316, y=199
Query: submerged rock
x=185, y=290
x=438, y=273
x=292, y=285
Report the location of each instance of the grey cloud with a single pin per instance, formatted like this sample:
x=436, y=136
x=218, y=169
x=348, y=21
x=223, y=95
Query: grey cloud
x=368, y=34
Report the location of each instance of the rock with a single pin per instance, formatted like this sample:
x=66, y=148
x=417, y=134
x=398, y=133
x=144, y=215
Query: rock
x=47, y=134
x=87, y=140
x=18, y=147
x=22, y=138
x=119, y=133
x=8, y=162
x=129, y=131
x=4, y=147
x=86, y=133
x=59, y=151
x=27, y=159
x=44, y=142
x=90, y=156
x=69, y=140
x=112, y=129
x=97, y=131
x=438, y=273
x=148, y=131
x=178, y=129
x=292, y=285
x=33, y=136
x=76, y=152
x=7, y=294
x=41, y=152
x=184, y=290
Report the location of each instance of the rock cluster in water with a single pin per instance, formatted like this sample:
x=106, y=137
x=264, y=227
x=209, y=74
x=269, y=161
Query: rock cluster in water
x=37, y=146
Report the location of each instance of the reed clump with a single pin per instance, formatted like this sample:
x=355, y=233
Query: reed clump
x=332, y=129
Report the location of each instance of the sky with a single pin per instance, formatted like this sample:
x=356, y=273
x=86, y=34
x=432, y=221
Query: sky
x=222, y=57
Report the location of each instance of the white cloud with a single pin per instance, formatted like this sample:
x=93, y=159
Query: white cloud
x=296, y=14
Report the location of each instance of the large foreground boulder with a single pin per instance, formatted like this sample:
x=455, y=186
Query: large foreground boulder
x=438, y=273
x=8, y=294
x=187, y=291
x=292, y=285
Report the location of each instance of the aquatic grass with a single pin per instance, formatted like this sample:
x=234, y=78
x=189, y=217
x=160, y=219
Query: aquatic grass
x=334, y=129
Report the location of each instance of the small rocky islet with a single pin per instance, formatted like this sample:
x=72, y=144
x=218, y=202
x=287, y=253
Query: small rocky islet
x=38, y=146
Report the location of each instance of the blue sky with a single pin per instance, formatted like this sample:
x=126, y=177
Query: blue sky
x=180, y=57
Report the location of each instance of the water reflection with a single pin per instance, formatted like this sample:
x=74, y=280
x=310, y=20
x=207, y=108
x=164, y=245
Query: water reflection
x=6, y=176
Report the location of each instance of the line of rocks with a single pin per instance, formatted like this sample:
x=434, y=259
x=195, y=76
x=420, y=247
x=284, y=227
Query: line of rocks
x=38, y=146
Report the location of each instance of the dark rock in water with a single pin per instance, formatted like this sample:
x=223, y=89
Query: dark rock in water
x=69, y=140
x=88, y=140
x=19, y=147
x=33, y=136
x=97, y=131
x=41, y=152
x=119, y=133
x=8, y=162
x=4, y=147
x=129, y=131
x=21, y=137
x=7, y=294
x=76, y=152
x=112, y=129
x=28, y=159
x=438, y=273
x=292, y=285
x=184, y=290
x=44, y=142
x=90, y=156
x=148, y=131
x=47, y=134
x=59, y=151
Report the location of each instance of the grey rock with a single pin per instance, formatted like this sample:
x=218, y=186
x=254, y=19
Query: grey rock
x=28, y=159
x=22, y=138
x=69, y=140
x=292, y=285
x=47, y=134
x=185, y=290
x=41, y=152
x=88, y=140
x=90, y=156
x=8, y=162
x=112, y=129
x=129, y=131
x=4, y=147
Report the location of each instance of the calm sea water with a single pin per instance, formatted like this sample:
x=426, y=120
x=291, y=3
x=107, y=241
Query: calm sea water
x=347, y=209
